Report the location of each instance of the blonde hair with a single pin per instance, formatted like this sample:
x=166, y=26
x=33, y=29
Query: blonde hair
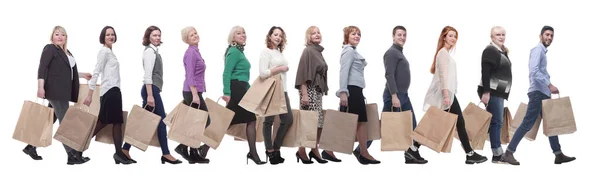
x=230, y=41
x=232, y=33
x=185, y=32
x=308, y=40
x=62, y=30
x=492, y=36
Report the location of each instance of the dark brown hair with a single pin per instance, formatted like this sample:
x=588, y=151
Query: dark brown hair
x=103, y=34
x=281, y=45
x=149, y=30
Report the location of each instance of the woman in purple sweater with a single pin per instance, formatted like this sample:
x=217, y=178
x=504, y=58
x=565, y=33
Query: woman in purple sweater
x=193, y=87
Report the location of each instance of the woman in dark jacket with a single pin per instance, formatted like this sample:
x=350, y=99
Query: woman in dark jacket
x=496, y=80
x=58, y=82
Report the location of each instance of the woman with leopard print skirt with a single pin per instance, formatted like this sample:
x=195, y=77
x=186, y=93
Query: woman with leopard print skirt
x=311, y=82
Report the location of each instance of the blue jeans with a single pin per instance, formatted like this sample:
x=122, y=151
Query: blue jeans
x=496, y=107
x=534, y=109
x=405, y=105
x=159, y=110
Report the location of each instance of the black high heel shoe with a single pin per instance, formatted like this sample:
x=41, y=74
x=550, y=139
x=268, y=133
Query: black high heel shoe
x=163, y=160
x=365, y=161
x=271, y=157
x=312, y=155
x=298, y=158
x=121, y=159
x=326, y=156
x=257, y=161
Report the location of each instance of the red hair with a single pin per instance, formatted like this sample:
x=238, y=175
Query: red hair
x=347, y=31
x=441, y=43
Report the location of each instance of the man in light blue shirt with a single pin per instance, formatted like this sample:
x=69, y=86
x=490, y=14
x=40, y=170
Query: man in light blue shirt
x=540, y=89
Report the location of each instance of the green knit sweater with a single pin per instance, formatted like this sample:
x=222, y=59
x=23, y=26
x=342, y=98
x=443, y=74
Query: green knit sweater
x=237, y=67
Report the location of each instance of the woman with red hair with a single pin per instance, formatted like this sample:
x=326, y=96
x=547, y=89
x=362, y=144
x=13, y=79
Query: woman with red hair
x=443, y=88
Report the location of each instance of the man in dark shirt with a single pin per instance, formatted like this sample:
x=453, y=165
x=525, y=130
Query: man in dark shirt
x=395, y=95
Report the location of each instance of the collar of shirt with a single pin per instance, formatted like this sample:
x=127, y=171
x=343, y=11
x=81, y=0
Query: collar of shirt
x=543, y=47
x=398, y=47
x=154, y=47
x=195, y=47
x=498, y=47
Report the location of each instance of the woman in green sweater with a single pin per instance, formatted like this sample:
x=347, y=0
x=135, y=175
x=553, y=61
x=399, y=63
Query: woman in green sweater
x=235, y=84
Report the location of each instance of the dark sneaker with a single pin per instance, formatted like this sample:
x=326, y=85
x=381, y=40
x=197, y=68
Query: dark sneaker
x=475, y=158
x=413, y=157
x=496, y=159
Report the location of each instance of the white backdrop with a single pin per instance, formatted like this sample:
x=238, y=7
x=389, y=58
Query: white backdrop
x=27, y=28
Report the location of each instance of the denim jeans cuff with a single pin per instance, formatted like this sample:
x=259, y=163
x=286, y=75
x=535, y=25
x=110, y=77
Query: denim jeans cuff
x=497, y=151
x=557, y=152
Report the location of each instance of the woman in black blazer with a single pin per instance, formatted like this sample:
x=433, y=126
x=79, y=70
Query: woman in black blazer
x=58, y=82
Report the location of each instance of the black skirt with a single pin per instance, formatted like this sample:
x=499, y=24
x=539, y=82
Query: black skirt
x=356, y=103
x=238, y=90
x=111, y=107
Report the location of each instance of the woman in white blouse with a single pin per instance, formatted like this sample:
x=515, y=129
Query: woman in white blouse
x=272, y=62
x=111, y=102
x=151, y=89
x=443, y=88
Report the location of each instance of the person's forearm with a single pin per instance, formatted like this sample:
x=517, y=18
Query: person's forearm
x=304, y=89
x=40, y=83
x=149, y=89
x=445, y=92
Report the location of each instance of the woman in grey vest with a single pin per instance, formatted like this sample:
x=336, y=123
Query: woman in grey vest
x=153, y=82
x=496, y=80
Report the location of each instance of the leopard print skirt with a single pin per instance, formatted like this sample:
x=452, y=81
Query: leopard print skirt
x=315, y=103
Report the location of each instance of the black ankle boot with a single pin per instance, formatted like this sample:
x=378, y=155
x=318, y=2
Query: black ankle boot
x=562, y=158
x=31, y=151
x=195, y=155
x=272, y=158
x=73, y=158
x=183, y=151
x=278, y=156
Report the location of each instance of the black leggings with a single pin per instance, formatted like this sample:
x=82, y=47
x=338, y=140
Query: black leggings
x=460, y=126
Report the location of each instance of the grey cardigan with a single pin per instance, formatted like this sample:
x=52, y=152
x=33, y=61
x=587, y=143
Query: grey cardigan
x=352, y=68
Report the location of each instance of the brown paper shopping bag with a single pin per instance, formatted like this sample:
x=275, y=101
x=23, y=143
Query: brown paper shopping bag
x=94, y=107
x=238, y=131
x=258, y=96
x=435, y=130
x=220, y=118
x=277, y=104
x=505, y=136
x=188, y=126
x=396, y=129
x=339, y=131
x=168, y=120
x=105, y=135
x=77, y=128
x=34, y=126
x=141, y=127
x=558, y=117
x=373, y=122
x=302, y=132
x=518, y=119
x=477, y=124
